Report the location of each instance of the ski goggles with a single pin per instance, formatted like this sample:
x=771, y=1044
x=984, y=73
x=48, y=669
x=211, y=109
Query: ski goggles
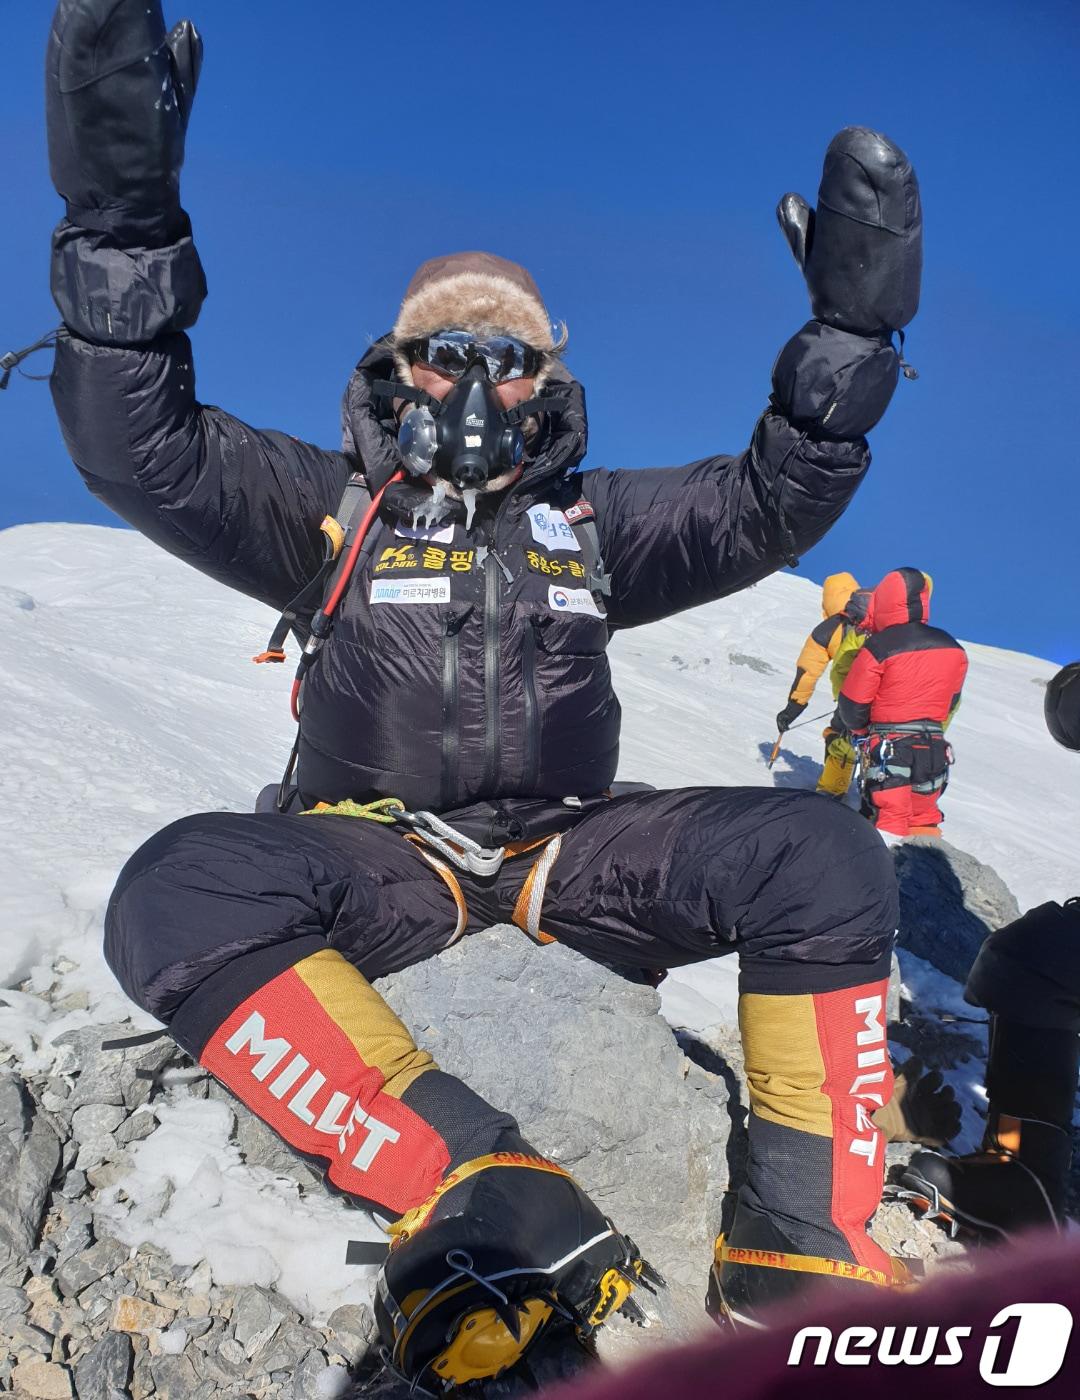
x=452, y=352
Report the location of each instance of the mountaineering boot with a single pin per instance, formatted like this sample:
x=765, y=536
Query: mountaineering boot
x=756, y=1267
x=507, y=1261
x=993, y=1191
x=1017, y=1179
x=817, y=1069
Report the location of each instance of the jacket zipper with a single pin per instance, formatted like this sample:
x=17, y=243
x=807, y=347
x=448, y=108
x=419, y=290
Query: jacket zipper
x=532, y=725
x=450, y=722
x=492, y=632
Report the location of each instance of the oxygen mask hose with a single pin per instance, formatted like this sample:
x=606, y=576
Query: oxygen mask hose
x=322, y=622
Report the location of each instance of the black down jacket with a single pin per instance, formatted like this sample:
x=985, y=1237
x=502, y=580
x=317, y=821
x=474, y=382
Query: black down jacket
x=464, y=665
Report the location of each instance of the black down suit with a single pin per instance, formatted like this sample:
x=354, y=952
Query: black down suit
x=217, y=907
x=467, y=673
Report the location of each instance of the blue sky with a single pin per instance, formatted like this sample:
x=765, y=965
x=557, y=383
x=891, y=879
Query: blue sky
x=631, y=157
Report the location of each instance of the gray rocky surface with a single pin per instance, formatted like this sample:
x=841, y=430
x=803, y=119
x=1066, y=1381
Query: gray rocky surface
x=650, y=1122
x=595, y=1078
x=949, y=902
x=29, y=1156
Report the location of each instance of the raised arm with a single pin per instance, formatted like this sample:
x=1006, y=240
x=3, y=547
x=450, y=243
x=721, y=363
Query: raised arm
x=677, y=537
x=240, y=504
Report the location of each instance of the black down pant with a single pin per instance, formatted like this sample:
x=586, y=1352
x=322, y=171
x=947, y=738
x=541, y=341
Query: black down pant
x=255, y=938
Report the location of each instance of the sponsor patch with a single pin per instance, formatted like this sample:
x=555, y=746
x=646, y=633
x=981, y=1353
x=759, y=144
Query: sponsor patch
x=433, y=556
x=572, y=600
x=554, y=568
x=551, y=528
x=582, y=511
x=431, y=534
x=410, y=590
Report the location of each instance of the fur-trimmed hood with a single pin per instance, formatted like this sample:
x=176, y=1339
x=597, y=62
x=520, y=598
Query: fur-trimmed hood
x=479, y=292
x=369, y=428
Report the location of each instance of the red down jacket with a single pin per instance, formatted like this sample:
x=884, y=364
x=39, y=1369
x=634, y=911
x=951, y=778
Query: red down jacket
x=907, y=671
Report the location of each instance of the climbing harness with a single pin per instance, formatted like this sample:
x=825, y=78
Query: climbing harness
x=447, y=850
x=882, y=760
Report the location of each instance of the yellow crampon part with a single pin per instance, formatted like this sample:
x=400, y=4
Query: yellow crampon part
x=614, y=1289
x=483, y=1346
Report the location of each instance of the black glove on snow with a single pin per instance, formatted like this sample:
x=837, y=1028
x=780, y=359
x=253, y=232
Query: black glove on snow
x=788, y=715
x=118, y=94
x=861, y=249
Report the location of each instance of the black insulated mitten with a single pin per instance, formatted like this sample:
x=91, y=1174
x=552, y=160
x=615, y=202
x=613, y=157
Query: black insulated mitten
x=118, y=94
x=861, y=248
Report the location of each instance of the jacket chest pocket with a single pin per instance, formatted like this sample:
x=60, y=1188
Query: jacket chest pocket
x=569, y=635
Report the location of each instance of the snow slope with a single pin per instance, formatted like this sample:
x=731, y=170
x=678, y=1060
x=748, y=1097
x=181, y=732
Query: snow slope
x=129, y=700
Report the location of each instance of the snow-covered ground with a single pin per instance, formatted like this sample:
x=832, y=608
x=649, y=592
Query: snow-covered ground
x=129, y=699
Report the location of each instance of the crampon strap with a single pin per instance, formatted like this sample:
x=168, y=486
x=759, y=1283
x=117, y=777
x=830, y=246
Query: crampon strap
x=898, y=1277
x=415, y=1219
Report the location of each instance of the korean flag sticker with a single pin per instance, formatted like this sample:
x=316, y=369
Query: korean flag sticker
x=572, y=600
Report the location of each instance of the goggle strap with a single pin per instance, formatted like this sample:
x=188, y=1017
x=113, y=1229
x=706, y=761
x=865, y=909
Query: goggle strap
x=542, y=403
x=393, y=389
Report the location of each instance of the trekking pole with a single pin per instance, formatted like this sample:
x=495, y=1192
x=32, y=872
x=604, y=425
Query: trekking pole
x=779, y=738
x=812, y=720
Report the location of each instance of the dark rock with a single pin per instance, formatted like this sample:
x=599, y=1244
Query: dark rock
x=174, y=1377
x=29, y=1157
x=22, y=1335
x=40, y=1261
x=74, y=1185
x=949, y=902
x=352, y=1328
x=306, y=1377
x=13, y=1304
x=254, y=1310
x=288, y=1347
x=106, y=1367
x=94, y=1263
x=142, y=1376
x=738, y=658
x=111, y=1076
x=135, y=1128
x=78, y=1233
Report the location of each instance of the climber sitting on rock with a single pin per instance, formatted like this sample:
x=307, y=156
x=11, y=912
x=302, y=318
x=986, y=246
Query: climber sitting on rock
x=455, y=628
